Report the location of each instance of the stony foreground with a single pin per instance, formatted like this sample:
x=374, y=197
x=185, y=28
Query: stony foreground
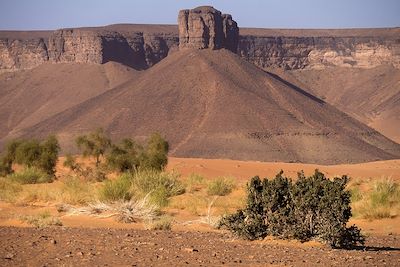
x=112, y=247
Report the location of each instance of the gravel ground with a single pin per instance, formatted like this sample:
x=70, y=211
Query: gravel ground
x=61, y=246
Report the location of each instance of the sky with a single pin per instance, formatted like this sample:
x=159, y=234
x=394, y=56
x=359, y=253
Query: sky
x=55, y=14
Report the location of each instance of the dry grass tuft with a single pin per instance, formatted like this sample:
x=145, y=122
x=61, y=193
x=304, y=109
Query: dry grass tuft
x=41, y=220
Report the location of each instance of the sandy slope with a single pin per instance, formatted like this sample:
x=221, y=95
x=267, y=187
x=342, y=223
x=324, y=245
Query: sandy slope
x=214, y=104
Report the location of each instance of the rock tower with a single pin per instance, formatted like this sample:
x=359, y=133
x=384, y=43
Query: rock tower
x=205, y=27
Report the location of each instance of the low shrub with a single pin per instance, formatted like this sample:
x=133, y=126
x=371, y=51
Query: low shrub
x=381, y=201
x=311, y=208
x=30, y=175
x=76, y=191
x=194, y=182
x=115, y=190
x=164, y=223
x=220, y=186
x=158, y=185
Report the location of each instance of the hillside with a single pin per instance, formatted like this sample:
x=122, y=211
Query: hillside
x=370, y=95
x=31, y=96
x=213, y=104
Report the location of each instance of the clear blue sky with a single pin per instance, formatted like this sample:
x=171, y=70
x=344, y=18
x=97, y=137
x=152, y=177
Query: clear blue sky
x=53, y=14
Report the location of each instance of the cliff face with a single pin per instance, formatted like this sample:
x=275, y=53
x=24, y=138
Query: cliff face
x=320, y=52
x=139, y=50
x=142, y=46
x=22, y=54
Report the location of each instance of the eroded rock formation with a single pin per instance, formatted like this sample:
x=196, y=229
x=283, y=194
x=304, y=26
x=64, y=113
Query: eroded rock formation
x=205, y=27
x=142, y=46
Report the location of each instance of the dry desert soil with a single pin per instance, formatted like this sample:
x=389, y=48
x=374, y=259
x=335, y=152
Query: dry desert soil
x=90, y=241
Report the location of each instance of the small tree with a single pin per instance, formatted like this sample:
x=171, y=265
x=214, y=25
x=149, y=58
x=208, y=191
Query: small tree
x=155, y=155
x=49, y=155
x=124, y=156
x=32, y=153
x=94, y=144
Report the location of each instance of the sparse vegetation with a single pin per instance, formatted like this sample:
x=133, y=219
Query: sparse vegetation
x=381, y=200
x=9, y=190
x=159, y=185
x=220, y=186
x=41, y=220
x=311, y=207
x=115, y=190
x=163, y=223
x=194, y=182
x=30, y=175
x=76, y=191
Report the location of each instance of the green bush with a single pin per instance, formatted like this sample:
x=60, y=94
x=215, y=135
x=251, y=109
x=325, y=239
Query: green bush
x=30, y=175
x=311, y=208
x=220, y=186
x=115, y=190
x=159, y=185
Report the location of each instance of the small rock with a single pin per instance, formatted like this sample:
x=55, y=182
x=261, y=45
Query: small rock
x=9, y=256
x=79, y=253
x=190, y=250
x=52, y=241
x=368, y=258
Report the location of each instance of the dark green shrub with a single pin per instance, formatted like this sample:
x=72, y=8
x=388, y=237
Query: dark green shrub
x=311, y=208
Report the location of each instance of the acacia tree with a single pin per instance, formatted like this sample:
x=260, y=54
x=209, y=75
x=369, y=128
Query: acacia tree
x=94, y=144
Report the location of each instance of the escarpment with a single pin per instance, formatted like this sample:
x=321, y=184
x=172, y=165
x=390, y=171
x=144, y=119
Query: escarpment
x=142, y=46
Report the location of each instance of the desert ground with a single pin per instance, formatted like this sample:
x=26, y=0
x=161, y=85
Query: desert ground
x=85, y=239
